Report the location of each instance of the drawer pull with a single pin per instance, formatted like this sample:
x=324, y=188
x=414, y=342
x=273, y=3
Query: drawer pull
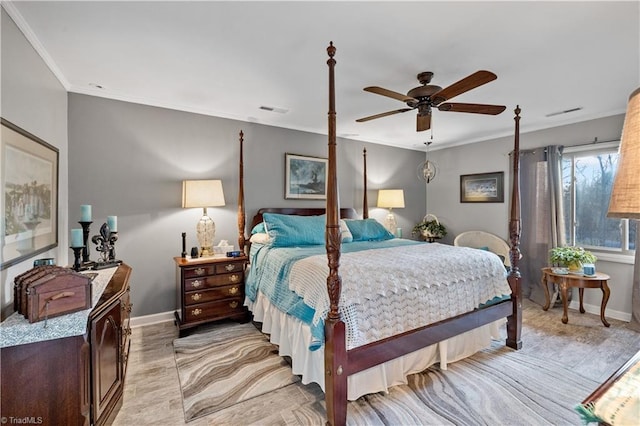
x=196, y=297
x=233, y=304
x=196, y=283
x=199, y=271
x=234, y=278
x=196, y=312
x=230, y=267
x=233, y=290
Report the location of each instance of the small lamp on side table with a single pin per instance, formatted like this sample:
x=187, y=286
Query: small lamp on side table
x=625, y=196
x=203, y=193
x=391, y=198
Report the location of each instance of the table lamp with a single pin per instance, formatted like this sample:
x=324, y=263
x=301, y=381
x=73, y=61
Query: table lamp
x=625, y=196
x=391, y=198
x=203, y=193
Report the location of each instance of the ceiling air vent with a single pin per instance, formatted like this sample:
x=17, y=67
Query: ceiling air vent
x=566, y=111
x=274, y=109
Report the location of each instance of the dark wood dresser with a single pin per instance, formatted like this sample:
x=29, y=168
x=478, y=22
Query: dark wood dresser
x=76, y=379
x=209, y=289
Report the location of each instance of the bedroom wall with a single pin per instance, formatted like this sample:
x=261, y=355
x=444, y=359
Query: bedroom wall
x=129, y=160
x=33, y=99
x=492, y=155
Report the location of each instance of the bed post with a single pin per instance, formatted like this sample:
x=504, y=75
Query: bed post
x=241, y=213
x=365, y=203
x=335, y=354
x=514, y=321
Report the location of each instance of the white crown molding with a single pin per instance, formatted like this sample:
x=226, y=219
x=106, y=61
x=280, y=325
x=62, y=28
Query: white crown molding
x=13, y=12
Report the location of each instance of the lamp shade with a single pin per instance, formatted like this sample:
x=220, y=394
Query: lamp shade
x=391, y=198
x=625, y=196
x=202, y=193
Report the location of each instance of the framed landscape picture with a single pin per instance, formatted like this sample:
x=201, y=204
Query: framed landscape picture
x=482, y=188
x=29, y=182
x=305, y=177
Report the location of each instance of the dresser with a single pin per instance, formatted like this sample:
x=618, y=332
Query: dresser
x=72, y=371
x=209, y=289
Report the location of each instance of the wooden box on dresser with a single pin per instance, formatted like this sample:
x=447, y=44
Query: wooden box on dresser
x=209, y=289
x=71, y=372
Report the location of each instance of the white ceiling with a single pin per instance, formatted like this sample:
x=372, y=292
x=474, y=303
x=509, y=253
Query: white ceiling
x=228, y=59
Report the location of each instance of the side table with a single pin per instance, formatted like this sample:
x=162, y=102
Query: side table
x=567, y=281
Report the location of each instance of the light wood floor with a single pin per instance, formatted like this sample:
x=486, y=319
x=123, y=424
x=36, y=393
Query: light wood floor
x=152, y=390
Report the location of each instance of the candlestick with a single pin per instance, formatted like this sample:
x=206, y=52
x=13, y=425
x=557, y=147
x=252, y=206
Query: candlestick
x=76, y=256
x=85, y=238
x=85, y=213
x=76, y=238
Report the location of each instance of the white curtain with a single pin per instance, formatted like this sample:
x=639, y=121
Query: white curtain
x=541, y=215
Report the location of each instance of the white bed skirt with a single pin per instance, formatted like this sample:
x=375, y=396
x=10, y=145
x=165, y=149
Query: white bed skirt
x=292, y=337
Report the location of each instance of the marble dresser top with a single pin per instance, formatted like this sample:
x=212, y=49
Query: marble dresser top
x=16, y=329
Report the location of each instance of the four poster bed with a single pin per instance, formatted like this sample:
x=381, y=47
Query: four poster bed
x=403, y=305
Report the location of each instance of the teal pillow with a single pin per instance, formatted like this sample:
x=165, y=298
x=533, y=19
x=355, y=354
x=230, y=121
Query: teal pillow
x=291, y=230
x=258, y=229
x=368, y=230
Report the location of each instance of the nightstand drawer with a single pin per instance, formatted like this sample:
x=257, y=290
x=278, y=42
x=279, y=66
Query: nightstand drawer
x=225, y=268
x=199, y=271
x=218, y=293
x=212, y=281
x=214, y=310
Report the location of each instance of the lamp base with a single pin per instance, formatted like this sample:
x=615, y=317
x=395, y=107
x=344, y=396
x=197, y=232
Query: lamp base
x=206, y=231
x=390, y=223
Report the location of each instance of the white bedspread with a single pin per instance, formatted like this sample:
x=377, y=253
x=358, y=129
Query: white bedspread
x=392, y=290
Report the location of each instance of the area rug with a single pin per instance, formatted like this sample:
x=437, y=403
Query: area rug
x=227, y=364
x=496, y=386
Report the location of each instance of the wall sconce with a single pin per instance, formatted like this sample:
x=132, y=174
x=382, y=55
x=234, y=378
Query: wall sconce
x=625, y=196
x=203, y=193
x=390, y=199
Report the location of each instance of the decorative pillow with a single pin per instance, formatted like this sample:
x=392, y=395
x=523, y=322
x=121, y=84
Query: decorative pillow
x=260, y=238
x=291, y=230
x=345, y=234
x=258, y=229
x=368, y=230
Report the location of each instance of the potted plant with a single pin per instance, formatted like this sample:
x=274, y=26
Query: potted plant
x=429, y=228
x=571, y=257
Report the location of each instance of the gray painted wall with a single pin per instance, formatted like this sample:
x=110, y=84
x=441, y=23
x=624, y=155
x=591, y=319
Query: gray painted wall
x=129, y=160
x=33, y=99
x=490, y=156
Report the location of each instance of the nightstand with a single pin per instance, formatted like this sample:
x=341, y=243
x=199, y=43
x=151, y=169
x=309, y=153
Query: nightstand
x=209, y=289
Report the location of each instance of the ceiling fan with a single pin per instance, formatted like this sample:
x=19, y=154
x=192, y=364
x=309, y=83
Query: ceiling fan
x=428, y=96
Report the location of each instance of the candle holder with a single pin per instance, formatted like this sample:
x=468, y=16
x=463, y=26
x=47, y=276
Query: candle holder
x=77, y=251
x=85, y=238
x=105, y=243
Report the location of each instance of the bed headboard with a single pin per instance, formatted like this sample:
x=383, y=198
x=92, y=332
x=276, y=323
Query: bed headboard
x=346, y=213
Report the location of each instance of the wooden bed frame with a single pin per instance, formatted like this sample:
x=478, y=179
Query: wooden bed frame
x=340, y=362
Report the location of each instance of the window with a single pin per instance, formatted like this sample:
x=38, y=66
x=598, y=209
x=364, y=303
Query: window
x=587, y=179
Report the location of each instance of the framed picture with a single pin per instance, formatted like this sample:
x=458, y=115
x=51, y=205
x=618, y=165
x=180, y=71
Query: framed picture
x=482, y=188
x=29, y=182
x=305, y=177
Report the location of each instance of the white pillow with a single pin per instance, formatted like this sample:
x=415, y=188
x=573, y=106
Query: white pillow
x=345, y=233
x=260, y=238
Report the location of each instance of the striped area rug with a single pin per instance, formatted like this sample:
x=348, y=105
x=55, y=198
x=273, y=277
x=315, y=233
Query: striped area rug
x=496, y=386
x=227, y=364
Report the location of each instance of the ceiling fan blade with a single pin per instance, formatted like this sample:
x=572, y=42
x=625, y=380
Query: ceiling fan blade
x=472, y=108
x=423, y=123
x=389, y=93
x=383, y=114
x=472, y=81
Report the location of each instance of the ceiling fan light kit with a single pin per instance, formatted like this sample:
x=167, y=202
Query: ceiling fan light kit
x=428, y=96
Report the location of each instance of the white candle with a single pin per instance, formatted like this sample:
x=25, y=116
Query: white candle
x=76, y=238
x=85, y=213
x=112, y=222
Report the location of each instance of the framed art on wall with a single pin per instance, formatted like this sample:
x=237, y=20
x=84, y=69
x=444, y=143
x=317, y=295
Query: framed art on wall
x=29, y=182
x=482, y=188
x=305, y=177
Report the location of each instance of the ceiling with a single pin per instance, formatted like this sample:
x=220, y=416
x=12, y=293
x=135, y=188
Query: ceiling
x=229, y=59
